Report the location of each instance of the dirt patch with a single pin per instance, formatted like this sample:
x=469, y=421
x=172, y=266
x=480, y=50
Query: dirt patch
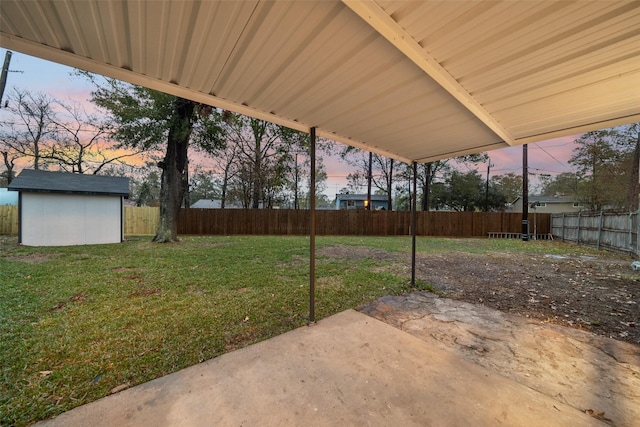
x=355, y=253
x=144, y=292
x=79, y=297
x=599, y=294
x=33, y=258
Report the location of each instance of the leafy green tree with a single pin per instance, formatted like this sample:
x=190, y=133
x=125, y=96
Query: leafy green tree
x=203, y=185
x=495, y=200
x=145, y=190
x=509, y=185
x=465, y=192
x=602, y=161
x=147, y=119
x=564, y=184
x=632, y=134
x=429, y=172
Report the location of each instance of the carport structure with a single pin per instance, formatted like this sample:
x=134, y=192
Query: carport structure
x=416, y=81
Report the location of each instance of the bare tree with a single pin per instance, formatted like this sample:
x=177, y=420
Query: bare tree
x=372, y=169
x=225, y=160
x=30, y=130
x=63, y=136
x=82, y=144
x=259, y=145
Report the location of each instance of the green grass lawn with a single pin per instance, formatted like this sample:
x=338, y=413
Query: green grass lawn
x=75, y=322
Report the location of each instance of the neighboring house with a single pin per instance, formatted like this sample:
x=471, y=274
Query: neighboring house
x=61, y=209
x=357, y=201
x=8, y=198
x=214, y=204
x=547, y=204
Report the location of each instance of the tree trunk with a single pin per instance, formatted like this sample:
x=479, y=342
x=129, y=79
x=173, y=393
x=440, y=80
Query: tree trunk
x=9, y=164
x=257, y=185
x=173, y=182
x=225, y=182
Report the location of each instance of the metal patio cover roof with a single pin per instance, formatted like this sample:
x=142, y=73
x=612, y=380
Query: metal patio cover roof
x=416, y=81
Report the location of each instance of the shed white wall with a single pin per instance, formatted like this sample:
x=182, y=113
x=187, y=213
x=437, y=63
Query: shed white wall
x=69, y=219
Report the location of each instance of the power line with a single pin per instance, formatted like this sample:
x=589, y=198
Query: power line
x=564, y=165
x=555, y=145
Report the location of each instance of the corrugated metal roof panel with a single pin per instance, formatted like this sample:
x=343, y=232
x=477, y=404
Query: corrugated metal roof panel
x=412, y=80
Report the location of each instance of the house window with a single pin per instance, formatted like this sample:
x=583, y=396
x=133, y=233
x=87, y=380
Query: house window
x=578, y=205
x=351, y=203
x=542, y=205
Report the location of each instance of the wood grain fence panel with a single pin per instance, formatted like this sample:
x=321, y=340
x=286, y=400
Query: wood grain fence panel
x=144, y=221
x=141, y=221
x=8, y=220
x=612, y=231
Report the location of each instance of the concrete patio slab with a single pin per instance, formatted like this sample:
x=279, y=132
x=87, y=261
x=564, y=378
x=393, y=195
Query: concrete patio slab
x=592, y=373
x=349, y=369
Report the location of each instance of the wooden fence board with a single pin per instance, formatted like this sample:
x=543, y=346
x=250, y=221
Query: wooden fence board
x=8, y=220
x=613, y=231
x=141, y=220
x=351, y=222
x=144, y=221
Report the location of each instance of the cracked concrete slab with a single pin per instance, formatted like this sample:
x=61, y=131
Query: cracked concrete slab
x=596, y=375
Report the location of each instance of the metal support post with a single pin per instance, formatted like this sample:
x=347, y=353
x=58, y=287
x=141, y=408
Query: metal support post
x=414, y=226
x=312, y=229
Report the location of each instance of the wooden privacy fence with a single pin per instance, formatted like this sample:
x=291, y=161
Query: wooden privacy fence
x=141, y=220
x=8, y=220
x=613, y=231
x=352, y=222
x=144, y=221
x=137, y=220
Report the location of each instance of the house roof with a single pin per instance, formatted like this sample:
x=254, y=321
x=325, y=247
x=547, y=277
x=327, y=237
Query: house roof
x=213, y=204
x=548, y=199
x=415, y=81
x=376, y=197
x=38, y=181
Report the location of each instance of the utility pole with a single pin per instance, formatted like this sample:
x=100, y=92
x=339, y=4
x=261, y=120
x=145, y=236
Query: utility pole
x=486, y=188
x=369, y=178
x=3, y=76
x=427, y=189
x=525, y=194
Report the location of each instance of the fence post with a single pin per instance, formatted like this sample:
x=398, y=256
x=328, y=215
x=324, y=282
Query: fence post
x=578, y=233
x=600, y=230
x=637, y=232
x=630, y=232
x=563, y=226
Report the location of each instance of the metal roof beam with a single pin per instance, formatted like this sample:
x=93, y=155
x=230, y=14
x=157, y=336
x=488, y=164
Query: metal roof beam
x=387, y=27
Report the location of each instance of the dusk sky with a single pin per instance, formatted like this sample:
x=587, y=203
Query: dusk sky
x=36, y=75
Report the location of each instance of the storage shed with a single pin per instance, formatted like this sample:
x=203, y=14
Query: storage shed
x=62, y=209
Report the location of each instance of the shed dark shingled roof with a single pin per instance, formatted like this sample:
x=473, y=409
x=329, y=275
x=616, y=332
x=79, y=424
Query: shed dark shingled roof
x=38, y=181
